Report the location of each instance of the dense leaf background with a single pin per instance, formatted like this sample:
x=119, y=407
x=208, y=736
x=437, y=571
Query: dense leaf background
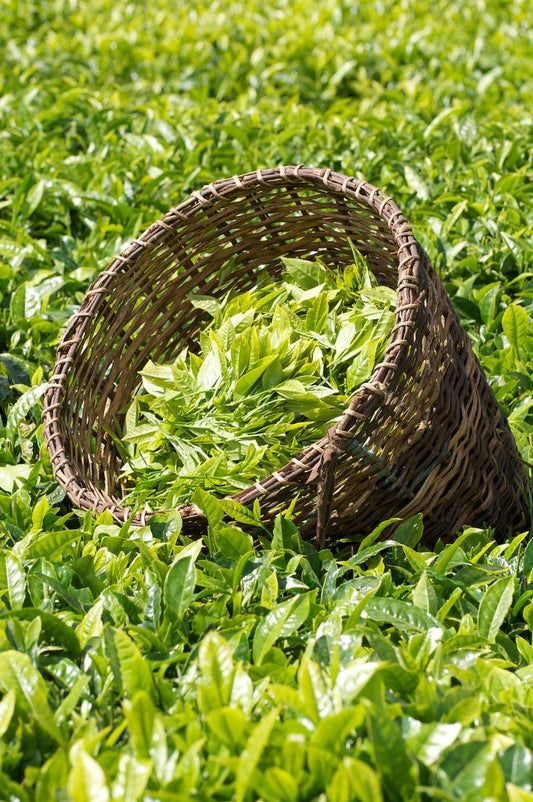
x=135, y=665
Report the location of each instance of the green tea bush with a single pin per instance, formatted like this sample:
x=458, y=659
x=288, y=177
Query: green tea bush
x=135, y=664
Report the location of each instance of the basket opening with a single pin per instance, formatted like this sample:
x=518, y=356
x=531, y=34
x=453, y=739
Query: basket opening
x=228, y=244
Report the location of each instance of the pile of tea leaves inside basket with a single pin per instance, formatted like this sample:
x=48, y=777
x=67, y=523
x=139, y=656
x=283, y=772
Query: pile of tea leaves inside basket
x=275, y=367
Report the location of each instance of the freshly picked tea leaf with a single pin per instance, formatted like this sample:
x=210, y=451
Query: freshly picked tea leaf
x=276, y=365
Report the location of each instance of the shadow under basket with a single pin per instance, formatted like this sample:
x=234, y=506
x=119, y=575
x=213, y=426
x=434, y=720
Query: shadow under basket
x=424, y=434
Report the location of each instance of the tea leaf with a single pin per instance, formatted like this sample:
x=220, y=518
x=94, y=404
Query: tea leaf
x=130, y=669
x=494, y=607
x=12, y=579
x=400, y=614
x=281, y=621
x=7, y=708
x=20, y=409
x=19, y=675
x=515, y=324
x=248, y=760
x=86, y=780
x=180, y=581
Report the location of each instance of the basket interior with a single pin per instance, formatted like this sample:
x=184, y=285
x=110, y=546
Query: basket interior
x=144, y=311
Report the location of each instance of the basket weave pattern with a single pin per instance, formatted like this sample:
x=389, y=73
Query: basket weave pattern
x=425, y=433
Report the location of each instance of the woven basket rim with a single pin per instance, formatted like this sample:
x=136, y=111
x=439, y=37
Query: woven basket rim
x=367, y=396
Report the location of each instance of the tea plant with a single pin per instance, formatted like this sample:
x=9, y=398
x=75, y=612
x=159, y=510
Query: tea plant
x=135, y=664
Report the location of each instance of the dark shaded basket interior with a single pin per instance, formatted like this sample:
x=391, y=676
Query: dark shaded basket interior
x=424, y=434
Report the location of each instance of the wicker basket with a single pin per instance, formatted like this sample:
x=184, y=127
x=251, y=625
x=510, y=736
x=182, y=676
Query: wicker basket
x=424, y=434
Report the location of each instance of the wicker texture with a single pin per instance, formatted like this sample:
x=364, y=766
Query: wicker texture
x=424, y=434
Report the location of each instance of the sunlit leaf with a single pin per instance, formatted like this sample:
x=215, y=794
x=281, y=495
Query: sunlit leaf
x=86, y=780
x=7, y=708
x=400, y=614
x=515, y=324
x=12, y=579
x=281, y=621
x=18, y=674
x=353, y=780
x=229, y=725
x=495, y=606
x=181, y=579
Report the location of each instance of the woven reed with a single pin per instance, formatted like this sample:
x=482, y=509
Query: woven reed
x=423, y=434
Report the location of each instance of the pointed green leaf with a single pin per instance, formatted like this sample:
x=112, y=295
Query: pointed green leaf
x=91, y=625
x=50, y=544
x=12, y=579
x=518, y=794
x=13, y=476
x=69, y=703
x=140, y=713
x=238, y=512
x=517, y=765
x=285, y=535
x=429, y=741
x=86, y=780
x=312, y=689
x=281, y=621
x=233, y=542
x=424, y=595
x=52, y=778
x=369, y=551
x=248, y=760
x=376, y=533
x=494, y=606
x=354, y=780
x=400, y=614
x=215, y=659
x=21, y=407
x=38, y=514
x=210, y=372
x=333, y=730
x=278, y=785
x=54, y=630
x=129, y=667
x=515, y=324
x=180, y=581
x=362, y=366
x=317, y=314
x=467, y=765
x=18, y=673
x=209, y=505
x=305, y=274
x=132, y=778
x=410, y=531
x=246, y=382
x=415, y=559
x=229, y=725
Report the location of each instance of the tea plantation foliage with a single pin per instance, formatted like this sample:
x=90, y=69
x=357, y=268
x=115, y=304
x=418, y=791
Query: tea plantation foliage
x=134, y=664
